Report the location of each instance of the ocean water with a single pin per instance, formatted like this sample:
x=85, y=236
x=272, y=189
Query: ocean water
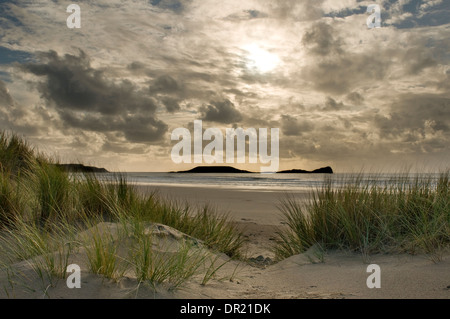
x=268, y=182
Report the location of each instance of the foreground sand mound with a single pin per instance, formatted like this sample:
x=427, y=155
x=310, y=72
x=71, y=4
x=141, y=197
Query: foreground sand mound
x=314, y=274
x=23, y=280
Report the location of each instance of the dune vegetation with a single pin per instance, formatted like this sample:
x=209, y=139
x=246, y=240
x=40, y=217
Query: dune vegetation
x=43, y=210
x=406, y=214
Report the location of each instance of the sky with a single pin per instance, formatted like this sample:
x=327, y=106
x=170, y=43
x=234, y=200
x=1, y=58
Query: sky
x=341, y=94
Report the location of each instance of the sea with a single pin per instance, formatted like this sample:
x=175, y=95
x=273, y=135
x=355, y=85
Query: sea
x=269, y=182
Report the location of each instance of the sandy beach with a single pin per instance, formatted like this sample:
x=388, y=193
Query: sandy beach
x=313, y=274
x=340, y=275
x=254, y=211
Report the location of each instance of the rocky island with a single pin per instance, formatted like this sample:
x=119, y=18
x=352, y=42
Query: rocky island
x=232, y=170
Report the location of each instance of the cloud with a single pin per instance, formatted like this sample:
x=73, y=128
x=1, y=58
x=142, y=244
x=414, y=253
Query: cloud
x=411, y=114
x=136, y=128
x=418, y=59
x=339, y=92
x=71, y=83
x=221, y=112
x=171, y=104
x=305, y=10
x=332, y=105
x=5, y=97
x=123, y=148
x=321, y=39
x=246, y=15
x=355, y=98
x=87, y=98
x=343, y=74
x=292, y=126
x=15, y=117
x=165, y=84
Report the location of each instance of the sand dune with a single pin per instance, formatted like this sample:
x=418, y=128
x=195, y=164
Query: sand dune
x=314, y=274
x=310, y=275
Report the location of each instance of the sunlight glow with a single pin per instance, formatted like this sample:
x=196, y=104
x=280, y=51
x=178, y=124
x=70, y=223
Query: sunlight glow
x=260, y=60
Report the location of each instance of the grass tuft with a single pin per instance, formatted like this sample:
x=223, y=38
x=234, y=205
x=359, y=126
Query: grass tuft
x=406, y=214
x=42, y=206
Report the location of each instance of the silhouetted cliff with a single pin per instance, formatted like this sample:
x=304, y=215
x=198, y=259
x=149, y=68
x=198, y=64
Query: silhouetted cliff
x=80, y=168
x=323, y=170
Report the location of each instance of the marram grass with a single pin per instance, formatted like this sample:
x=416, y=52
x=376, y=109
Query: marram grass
x=42, y=206
x=406, y=214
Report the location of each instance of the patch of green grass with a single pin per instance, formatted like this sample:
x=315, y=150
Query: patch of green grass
x=54, y=192
x=9, y=201
x=102, y=254
x=47, y=253
x=16, y=155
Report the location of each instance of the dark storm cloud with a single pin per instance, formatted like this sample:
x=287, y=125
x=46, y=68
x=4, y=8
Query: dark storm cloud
x=321, y=39
x=134, y=128
x=171, y=104
x=292, y=126
x=71, y=83
x=221, y=112
x=417, y=59
x=184, y=83
x=123, y=148
x=415, y=124
x=136, y=66
x=338, y=69
x=86, y=98
x=332, y=105
x=343, y=74
x=165, y=84
x=414, y=116
x=355, y=98
x=335, y=70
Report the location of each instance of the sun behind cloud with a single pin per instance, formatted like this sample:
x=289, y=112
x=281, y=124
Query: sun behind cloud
x=259, y=59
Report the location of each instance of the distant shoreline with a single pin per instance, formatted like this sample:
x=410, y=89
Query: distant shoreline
x=80, y=168
x=232, y=170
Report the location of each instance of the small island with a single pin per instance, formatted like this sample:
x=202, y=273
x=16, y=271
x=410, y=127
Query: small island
x=214, y=169
x=232, y=170
x=322, y=170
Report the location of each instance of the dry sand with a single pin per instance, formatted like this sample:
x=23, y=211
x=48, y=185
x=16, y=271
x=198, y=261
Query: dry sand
x=310, y=275
x=255, y=212
x=340, y=275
